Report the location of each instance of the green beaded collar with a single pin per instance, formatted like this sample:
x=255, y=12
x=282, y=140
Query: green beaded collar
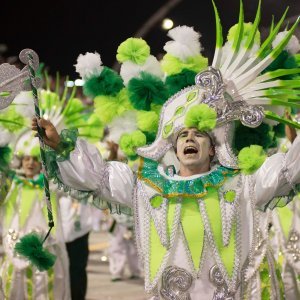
x=31, y=183
x=194, y=188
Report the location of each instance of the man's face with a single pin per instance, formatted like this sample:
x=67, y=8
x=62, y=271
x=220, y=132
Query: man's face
x=31, y=166
x=194, y=148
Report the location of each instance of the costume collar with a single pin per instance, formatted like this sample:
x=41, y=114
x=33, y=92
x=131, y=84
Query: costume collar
x=36, y=182
x=151, y=172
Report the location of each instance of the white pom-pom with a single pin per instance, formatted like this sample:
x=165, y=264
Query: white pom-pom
x=88, y=65
x=125, y=123
x=5, y=137
x=130, y=70
x=186, y=42
x=293, y=45
x=24, y=104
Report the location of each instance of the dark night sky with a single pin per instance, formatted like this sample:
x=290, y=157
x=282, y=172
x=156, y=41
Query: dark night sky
x=60, y=30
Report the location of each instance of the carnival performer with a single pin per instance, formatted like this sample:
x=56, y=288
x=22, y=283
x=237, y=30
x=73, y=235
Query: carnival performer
x=194, y=200
x=24, y=211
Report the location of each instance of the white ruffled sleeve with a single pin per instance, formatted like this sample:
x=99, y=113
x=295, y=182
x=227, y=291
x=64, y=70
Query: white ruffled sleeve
x=277, y=179
x=85, y=171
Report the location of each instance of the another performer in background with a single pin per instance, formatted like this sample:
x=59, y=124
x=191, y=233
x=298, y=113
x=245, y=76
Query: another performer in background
x=24, y=211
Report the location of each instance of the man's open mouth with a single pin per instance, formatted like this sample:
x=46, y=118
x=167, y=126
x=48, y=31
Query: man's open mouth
x=190, y=150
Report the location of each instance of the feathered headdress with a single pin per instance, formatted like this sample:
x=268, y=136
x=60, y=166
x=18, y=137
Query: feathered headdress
x=248, y=81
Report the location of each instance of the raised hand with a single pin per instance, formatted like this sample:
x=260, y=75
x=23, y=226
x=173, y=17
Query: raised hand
x=51, y=137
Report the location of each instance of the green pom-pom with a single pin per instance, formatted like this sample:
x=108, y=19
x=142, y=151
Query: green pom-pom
x=30, y=246
x=247, y=30
x=145, y=90
x=156, y=108
x=246, y=136
x=173, y=65
x=130, y=142
x=147, y=121
x=133, y=49
x=202, y=117
x=108, y=107
x=5, y=157
x=156, y=201
x=177, y=82
x=230, y=196
x=251, y=158
x=35, y=151
x=93, y=129
x=108, y=83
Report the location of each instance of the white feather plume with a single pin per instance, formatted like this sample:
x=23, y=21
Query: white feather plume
x=6, y=137
x=130, y=70
x=88, y=64
x=24, y=104
x=293, y=45
x=185, y=42
x=125, y=123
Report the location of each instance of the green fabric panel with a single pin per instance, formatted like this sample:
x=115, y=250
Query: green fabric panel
x=8, y=281
x=157, y=250
x=265, y=280
x=51, y=284
x=213, y=209
x=286, y=218
x=10, y=206
x=28, y=197
x=29, y=282
x=193, y=229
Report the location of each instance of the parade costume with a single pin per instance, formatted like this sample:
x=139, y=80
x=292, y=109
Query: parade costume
x=24, y=210
x=199, y=237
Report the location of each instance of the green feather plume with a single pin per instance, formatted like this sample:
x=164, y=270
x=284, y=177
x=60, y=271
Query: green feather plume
x=283, y=61
x=202, y=117
x=145, y=90
x=251, y=158
x=179, y=81
x=30, y=246
x=133, y=49
x=108, y=83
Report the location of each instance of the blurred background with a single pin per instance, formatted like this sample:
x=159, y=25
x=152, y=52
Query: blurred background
x=60, y=30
